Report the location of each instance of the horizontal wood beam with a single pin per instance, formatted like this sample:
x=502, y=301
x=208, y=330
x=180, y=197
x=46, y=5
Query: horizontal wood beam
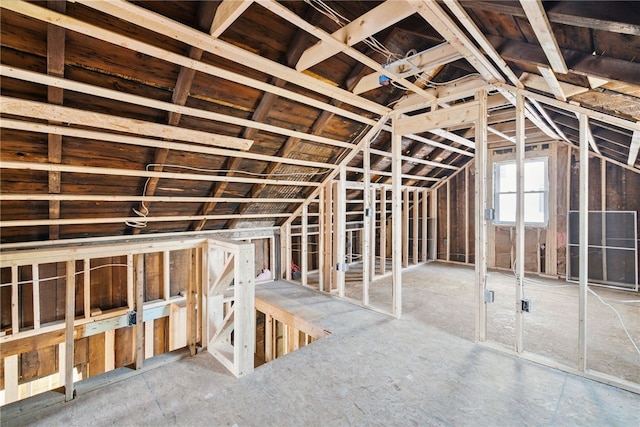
x=166, y=199
x=410, y=159
x=148, y=174
x=542, y=28
x=185, y=34
x=226, y=14
x=578, y=62
x=465, y=113
x=560, y=15
x=166, y=106
x=116, y=220
x=153, y=143
x=43, y=111
x=372, y=22
x=424, y=61
x=290, y=319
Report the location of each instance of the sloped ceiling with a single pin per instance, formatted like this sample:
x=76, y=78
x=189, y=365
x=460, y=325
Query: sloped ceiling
x=144, y=117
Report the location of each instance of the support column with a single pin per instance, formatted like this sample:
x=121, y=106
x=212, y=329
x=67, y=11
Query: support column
x=396, y=218
x=70, y=305
x=481, y=223
x=139, y=296
x=416, y=214
x=383, y=230
x=326, y=233
x=341, y=226
x=366, y=224
x=425, y=224
x=304, y=245
x=519, y=267
x=583, y=267
x=433, y=202
x=405, y=228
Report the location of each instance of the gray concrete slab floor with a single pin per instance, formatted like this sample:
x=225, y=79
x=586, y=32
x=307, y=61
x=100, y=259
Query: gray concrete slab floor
x=373, y=370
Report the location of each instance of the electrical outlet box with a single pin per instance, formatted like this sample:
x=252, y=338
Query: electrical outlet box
x=368, y=212
x=526, y=305
x=133, y=318
x=489, y=214
x=342, y=267
x=488, y=297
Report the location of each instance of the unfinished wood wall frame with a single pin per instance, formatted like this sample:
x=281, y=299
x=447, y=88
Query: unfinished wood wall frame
x=230, y=307
x=70, y=318
x=367, y=240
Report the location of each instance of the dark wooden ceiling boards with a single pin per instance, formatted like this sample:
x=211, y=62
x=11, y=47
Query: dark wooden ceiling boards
x=305, y=131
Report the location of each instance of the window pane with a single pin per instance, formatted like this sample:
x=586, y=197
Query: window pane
x=506, y=211
x=506, y=177
x=535, y=175
x=534, y=208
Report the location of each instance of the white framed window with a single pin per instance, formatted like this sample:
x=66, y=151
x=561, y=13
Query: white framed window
x=536, y=192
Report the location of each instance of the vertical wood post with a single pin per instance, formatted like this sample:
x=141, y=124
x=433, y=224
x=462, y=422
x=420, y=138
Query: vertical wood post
x=15, y=318
x=69, y=325
x=35, y=273
x=369, y=205
x=340, y=220
x=396, y=215
x=192, y=321
x=304, y=245
x=481, y=223
x=425, y=225
x=139, y=302
x=166, y=275
x=405, y=228
x=519, y=267
x=583, y=267
x=130, y=282
x=416, y=214
x=87, y=287
x=433, y=202
x=383, y=230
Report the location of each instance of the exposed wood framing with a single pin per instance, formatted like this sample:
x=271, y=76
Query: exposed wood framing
x=520, y=231
x=366, y=25
x=634, y=148
x=55, y=67
x=583, y=254
x=70, y=305
x=481, y=161
x=542, y=28
x=396, y=213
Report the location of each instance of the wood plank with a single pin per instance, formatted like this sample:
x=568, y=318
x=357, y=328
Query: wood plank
x=479, y=37
x=97, y=351
x=228, y=11
x=370, y=23
x=162, y=25
x=441, y=118
x=383, y=231
x=481, y=164
x=415, y=226
x=633, y=148
x=87, y=287
x=154, y=143
x=542, y=28
x=217, y=139
x=136, y=173
x=139, y=264
x=15, y=319
x=55, y=95
x=11, y=379
x=192, y=288
x=51, y=112
x=295, y=321
x=443, y=24
x=149, y=340
x=69, y=392
x=421, y=62
x=396, y=217
x=35, y=275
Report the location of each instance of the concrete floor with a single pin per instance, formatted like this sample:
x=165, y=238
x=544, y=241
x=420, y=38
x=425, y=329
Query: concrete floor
x=372, y=370
x=442, y=295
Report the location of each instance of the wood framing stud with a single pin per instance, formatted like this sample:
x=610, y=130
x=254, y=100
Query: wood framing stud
x=537, y=17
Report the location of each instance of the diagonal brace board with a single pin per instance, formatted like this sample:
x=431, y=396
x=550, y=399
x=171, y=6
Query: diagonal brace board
x=365, y=26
